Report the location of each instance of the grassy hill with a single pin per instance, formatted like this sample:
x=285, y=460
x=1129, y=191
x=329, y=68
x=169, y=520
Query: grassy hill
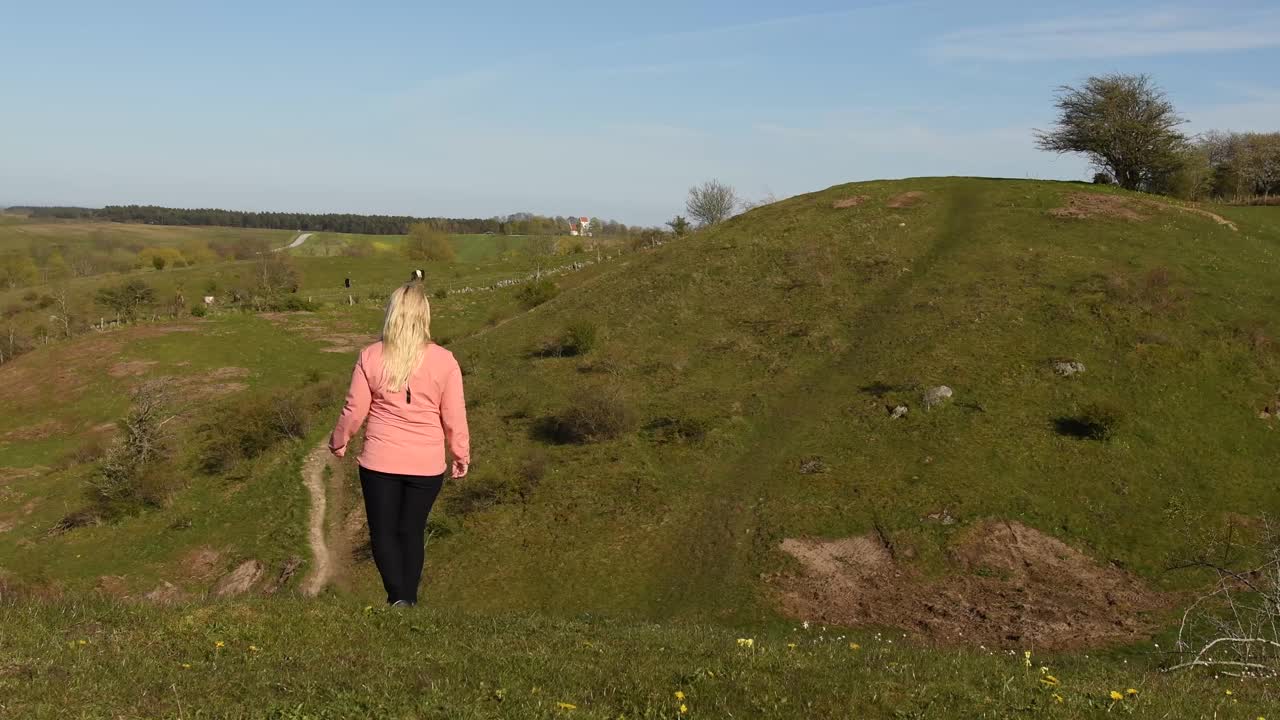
x=758, y=474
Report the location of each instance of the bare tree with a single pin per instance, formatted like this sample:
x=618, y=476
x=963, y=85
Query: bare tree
x=62, y=310
x=540, y=248
x=711, y=202
x=1124, y=124
x=1234, y=629
x=121, y=482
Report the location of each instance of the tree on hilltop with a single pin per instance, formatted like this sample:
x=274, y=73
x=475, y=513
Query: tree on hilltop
x=711, y=202
x=1124, y=124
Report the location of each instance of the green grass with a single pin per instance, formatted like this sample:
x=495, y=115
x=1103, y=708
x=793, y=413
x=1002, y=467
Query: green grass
x=20, y=232
x=328, y=659
x=782, y=335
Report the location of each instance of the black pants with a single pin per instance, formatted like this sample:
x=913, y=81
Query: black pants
x=397, y=507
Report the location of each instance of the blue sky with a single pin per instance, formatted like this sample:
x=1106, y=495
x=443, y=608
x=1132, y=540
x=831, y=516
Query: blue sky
x=568, y=107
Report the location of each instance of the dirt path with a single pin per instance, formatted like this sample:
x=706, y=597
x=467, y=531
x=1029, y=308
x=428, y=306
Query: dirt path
x=297, y=242
x=313, y=476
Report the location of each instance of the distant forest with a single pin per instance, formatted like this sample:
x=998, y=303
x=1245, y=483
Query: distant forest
x=516, y=224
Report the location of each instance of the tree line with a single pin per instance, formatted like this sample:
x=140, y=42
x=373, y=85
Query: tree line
x=514, y=224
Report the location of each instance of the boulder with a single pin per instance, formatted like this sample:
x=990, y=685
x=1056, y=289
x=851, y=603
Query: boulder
x=898, y=412
x=240, y=580
x=935, y=396
x=1067, y=368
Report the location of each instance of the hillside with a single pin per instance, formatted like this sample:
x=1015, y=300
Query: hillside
x=1114, y=375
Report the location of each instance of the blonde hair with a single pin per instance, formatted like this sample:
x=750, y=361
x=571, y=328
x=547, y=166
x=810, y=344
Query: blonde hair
x=405, y=334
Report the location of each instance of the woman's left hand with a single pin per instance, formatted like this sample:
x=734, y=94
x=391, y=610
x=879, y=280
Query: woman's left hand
x=459, y=469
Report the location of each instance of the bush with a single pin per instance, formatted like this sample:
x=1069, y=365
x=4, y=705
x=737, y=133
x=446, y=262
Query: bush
x=1095, y=421
x=441, y=293
x=677, y=429
x=537, y=292
x=92, y=449
x=1101, y=178
x=529, y=473
x=579, y=338
x=245, y=429
x=199, y=310
x=134, y=472
x=595, y=414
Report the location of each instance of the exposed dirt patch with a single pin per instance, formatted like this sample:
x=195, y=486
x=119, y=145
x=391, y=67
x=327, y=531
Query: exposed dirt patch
x=10, y=474
x=1083, y=206
x=7, y=525
x=39, y=431
x=241, y=580
x=228, y=373
x=166, y=593
x=906, y=199
x=344, y=343
x=1197, y=211
x=115, y=586
x=287, y=571
x=201, y=563
x=130, y=368
x=850, y=202
x=1011, y=586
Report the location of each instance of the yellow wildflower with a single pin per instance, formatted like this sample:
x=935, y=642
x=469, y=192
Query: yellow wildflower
x=683, y=708
x=855, y=646
x=219, y=645
x=1057, y=698
x=1049, y=680
x=1230, y=693
x=679, y=694
x=791, y=646
x=186, y=666
x=1026, y=656
x=1116, y=696
x=746, y=642
x=566, y=706
x=1131, y=691
x=253, y=648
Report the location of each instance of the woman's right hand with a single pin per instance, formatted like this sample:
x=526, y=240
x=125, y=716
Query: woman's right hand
x=339, y=452
x=459, y=469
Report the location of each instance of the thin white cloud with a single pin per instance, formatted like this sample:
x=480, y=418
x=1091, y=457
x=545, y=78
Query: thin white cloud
x=1137, y=34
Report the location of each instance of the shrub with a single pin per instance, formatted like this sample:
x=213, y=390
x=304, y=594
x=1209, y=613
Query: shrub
x=245, y=429
x=1095, y=421
x=441, y=293
x=579, y=338
x=529, y=473
x=134, y=471
x=537, y=292
x=595, y=414
x=199, y=310
x=92, y=449
x=678, y=429
x=1101, y=178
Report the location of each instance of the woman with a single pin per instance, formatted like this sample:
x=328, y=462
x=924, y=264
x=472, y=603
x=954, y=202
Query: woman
x=411, y=391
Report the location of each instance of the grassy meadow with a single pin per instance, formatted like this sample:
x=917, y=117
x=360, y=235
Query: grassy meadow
x=749, y=375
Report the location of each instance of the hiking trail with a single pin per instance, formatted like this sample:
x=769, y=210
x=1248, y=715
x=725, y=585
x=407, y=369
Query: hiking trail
x=313, y=476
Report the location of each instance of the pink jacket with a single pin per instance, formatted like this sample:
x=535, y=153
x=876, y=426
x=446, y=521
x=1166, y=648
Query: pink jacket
x=407, y=429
